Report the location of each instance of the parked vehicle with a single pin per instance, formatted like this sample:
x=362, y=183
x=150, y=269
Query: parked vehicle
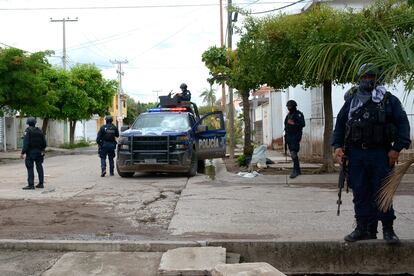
x=171, y=138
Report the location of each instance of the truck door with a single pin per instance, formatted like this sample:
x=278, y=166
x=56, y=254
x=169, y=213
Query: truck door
x=210, y=134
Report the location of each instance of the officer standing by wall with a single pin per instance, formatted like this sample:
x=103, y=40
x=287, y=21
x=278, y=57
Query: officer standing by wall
x=294, y=123
x=371, y=129
x=106, y=140
x=34, y=144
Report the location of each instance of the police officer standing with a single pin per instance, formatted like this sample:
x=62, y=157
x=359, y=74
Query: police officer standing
x=371, y=129
x=34, y=144
x=294, y=123
x=106, y=140
x=185, y=95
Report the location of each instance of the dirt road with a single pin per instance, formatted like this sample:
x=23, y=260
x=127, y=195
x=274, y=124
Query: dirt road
x=77, y=203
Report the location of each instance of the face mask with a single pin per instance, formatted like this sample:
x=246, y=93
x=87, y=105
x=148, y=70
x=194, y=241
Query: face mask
x=367, y=85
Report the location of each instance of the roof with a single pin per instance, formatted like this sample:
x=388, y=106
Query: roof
x=264, y=90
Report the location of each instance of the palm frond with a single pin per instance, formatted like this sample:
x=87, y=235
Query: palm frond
x=390, y=185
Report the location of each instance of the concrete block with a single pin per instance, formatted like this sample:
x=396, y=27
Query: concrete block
x=191, y=261
x=106, y=263
x=246, y=269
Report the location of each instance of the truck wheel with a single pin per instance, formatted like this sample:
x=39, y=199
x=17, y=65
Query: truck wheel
x=194, y=165
x=201, y=166
x=124, y=174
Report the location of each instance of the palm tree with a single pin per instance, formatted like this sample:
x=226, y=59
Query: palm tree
x=394, y=53
x=209, y=97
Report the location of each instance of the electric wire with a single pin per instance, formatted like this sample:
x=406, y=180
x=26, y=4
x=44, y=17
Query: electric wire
x=280, y=8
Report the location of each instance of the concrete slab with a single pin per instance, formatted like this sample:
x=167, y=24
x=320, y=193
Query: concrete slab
x=23, y=263
x=106, y=263
x=191, y=261
x=274, y=207
x=246, y=269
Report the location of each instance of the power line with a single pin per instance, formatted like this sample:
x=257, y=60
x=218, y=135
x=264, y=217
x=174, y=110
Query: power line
x=132, y=7
x=280, y=8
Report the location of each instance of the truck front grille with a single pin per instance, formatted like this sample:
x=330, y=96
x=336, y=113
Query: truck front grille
x=150, y=143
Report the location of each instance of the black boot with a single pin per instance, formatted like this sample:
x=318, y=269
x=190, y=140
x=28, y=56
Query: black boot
x=294, y=174
x=388, y=232
x=40, y=186
x=360, y=233
x=28, y=187
x=372, y=230
x=103, y=173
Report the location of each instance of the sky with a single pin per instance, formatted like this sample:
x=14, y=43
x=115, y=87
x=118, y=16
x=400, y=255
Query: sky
x=161, y=40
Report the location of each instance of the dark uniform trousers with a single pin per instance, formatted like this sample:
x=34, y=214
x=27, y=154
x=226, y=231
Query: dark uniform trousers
x=107, y=149
x=34, y=157
x=367, y=169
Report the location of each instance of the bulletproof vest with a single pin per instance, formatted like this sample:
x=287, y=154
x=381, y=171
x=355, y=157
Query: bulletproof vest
x=370, y=126
x=110, y=132
x=35, y=138
x=292, y=128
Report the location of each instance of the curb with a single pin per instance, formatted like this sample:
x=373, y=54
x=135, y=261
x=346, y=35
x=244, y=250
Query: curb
x=373, y=257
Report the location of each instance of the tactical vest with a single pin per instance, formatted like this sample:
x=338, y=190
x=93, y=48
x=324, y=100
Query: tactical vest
x=292, y=129
x=370, y=126
x=36, y=139
x=109, y=135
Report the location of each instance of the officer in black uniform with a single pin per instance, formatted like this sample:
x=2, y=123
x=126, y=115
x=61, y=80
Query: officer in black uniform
x=106, y=141
x=34, y=144
x=294, y=123
x=185, y=95
x=371, y=129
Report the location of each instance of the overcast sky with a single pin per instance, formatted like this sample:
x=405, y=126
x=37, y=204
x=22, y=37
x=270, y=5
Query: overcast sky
x=163, y=40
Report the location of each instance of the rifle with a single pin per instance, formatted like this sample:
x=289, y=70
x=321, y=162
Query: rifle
x=343, y=177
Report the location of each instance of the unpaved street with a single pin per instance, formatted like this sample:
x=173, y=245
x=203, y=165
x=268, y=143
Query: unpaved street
x=78, y=203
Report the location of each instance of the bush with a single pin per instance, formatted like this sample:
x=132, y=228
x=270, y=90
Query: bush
x=79, y=144
x=242, y=161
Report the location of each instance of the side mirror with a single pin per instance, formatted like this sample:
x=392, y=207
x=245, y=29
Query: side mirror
x=123, y=128
x=201, y=128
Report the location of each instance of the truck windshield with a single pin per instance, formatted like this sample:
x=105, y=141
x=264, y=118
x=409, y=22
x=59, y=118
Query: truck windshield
x=162, y=121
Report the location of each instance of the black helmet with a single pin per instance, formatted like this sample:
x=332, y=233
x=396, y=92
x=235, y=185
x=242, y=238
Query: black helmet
x=108, y=119
x=31, y=121
x=369, y=69
x=291, y=103
x=183, y=86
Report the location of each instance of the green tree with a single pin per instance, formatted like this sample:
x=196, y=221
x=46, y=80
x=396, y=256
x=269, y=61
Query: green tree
x=23, y=86
x=88, y=94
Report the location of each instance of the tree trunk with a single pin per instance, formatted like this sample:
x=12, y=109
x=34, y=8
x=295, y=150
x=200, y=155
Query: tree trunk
x=44, y=125
x=248, y=148
x=72, y=126
x=328, y=165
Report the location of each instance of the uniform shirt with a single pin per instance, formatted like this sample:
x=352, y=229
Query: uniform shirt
x=394, y=111
x=299, y=121
x=33, y=139
x=186, y=95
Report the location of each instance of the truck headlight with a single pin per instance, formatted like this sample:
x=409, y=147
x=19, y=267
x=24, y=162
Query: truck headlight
x=124, y=147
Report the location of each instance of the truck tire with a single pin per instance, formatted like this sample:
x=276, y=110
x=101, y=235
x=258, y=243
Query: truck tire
x=201, y=167
x=194, y=165
x=124, y=174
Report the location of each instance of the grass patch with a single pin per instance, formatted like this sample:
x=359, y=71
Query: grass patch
x=79, y=144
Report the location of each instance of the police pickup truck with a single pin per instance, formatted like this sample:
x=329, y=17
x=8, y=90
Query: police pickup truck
x=171, y=138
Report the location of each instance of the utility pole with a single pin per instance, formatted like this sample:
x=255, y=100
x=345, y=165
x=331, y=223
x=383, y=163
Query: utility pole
x=223, y=86
x=120, y=92
x=157, y=91
x=231, y=104
x=64, y=20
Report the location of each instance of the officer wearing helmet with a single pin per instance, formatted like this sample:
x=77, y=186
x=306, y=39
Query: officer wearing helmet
x=106, y=140
x=34, y=144
x=185, y=95
x=294, y=123
x=371, y=129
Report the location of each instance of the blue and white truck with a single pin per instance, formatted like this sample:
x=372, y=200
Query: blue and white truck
x=171, y=138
